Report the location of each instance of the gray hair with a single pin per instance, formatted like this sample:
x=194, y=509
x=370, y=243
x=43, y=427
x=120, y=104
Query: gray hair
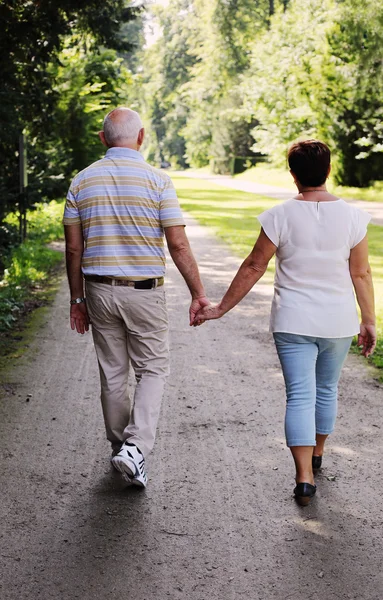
x=122, y=125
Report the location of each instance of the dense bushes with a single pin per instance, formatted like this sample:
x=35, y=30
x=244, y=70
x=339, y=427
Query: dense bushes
x=28, y=266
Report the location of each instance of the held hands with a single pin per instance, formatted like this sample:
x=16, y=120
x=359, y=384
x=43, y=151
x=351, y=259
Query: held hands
x=79, y=318
x=367, y=339
x=196, y=305
x=207, y=314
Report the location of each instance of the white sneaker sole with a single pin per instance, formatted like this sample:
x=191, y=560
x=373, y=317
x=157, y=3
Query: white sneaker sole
x=127, y=470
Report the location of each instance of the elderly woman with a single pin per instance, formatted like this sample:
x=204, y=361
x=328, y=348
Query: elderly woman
x=321, y=250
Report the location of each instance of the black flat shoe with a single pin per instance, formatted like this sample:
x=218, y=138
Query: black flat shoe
x=317, y=463
x=304, y=492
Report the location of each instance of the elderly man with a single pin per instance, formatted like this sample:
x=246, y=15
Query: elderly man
x=116, y=214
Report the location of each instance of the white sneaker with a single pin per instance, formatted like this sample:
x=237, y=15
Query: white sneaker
x=131, y=464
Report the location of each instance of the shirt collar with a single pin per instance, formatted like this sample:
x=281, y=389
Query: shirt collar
x=118, y=152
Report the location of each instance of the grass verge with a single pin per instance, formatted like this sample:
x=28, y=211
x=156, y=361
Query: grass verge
x=231, y=215
x=269, y=175
x=31, y=274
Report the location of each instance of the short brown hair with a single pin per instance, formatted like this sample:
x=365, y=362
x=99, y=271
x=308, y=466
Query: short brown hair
x=309, y=160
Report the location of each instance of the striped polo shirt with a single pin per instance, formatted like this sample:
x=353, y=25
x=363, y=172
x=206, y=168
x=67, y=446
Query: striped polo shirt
x=123, y=205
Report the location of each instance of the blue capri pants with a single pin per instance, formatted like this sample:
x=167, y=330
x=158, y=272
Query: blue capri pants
x=311, y=368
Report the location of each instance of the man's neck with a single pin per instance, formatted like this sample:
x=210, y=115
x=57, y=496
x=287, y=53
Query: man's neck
x=126, y=146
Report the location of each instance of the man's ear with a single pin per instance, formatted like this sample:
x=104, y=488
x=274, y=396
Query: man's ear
x=141, y=137
x=101, y=135
x=293, y=176
x=329, y=171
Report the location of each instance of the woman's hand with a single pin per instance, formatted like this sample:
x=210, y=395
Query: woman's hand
x=367, y=339
x=207, y=314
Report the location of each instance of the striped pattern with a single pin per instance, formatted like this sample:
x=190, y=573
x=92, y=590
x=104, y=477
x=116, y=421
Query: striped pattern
x=123, y=205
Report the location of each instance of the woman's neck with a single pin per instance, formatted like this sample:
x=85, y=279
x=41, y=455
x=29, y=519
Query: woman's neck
x=311, y=189
x=314, y=194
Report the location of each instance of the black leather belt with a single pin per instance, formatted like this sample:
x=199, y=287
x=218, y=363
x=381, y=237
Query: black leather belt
x=146, y=284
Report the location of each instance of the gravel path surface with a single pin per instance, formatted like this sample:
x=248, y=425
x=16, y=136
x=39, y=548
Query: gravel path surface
x=278, y=193
x=217, y=521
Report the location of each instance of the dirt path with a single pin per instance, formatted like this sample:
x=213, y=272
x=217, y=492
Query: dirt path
x=278, y=193
x=217, y=521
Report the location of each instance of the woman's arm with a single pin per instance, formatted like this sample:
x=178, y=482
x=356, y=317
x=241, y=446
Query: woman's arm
x=360, y=271
x=251, y=270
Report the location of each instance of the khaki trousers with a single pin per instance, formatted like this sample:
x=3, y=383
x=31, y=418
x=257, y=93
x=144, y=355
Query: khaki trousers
x=130, y=326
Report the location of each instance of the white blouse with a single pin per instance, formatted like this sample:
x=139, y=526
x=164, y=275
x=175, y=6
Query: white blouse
x=313, y=291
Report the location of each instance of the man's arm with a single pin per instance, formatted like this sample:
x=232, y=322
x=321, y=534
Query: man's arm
x=185, y=262
x=360, y=272
x=74, y=248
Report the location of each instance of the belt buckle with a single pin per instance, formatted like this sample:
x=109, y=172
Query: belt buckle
x=113, y=282
x=155, y=283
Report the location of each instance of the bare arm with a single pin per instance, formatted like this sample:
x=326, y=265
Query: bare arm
x=74, y=248
x=360, y=272
x=185, y=262
x=251, y=270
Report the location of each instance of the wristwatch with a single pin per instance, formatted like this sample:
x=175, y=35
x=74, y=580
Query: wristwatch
x=77, y=301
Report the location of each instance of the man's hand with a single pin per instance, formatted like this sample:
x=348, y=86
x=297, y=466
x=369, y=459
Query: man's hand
x=207, y=314
x=79, y=318
x=196, y=305
x=367, y=339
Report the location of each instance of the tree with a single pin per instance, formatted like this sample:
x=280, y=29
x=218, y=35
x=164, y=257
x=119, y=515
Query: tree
x=352, y=98
x=87, y=86
x=283, y=85
x=190, y=76
x=32, y=36
x=217, y=126
x=165, y=68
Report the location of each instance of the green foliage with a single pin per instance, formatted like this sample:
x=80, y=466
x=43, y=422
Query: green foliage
x=285, y=76
x=44, y=222
x=352, y=93
x=190, y=93
x=33, y=34
x=28, y=266
x=30, y=263
x=164, y=70
x=241, y=77
x=88, y=84
x=217, y=127
x=325, y=80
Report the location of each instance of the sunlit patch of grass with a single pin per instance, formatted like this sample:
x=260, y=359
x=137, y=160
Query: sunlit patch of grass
x=43, y=222
x=267, y=174
x=232, y=216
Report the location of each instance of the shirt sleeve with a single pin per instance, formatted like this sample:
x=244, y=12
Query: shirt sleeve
x=270, y=225
x=71, y=212
x=361, y=221
x=170, y=210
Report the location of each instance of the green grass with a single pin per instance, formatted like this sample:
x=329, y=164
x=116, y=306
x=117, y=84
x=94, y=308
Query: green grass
x=231, y=215
x=267, y=174
x=29, y=266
